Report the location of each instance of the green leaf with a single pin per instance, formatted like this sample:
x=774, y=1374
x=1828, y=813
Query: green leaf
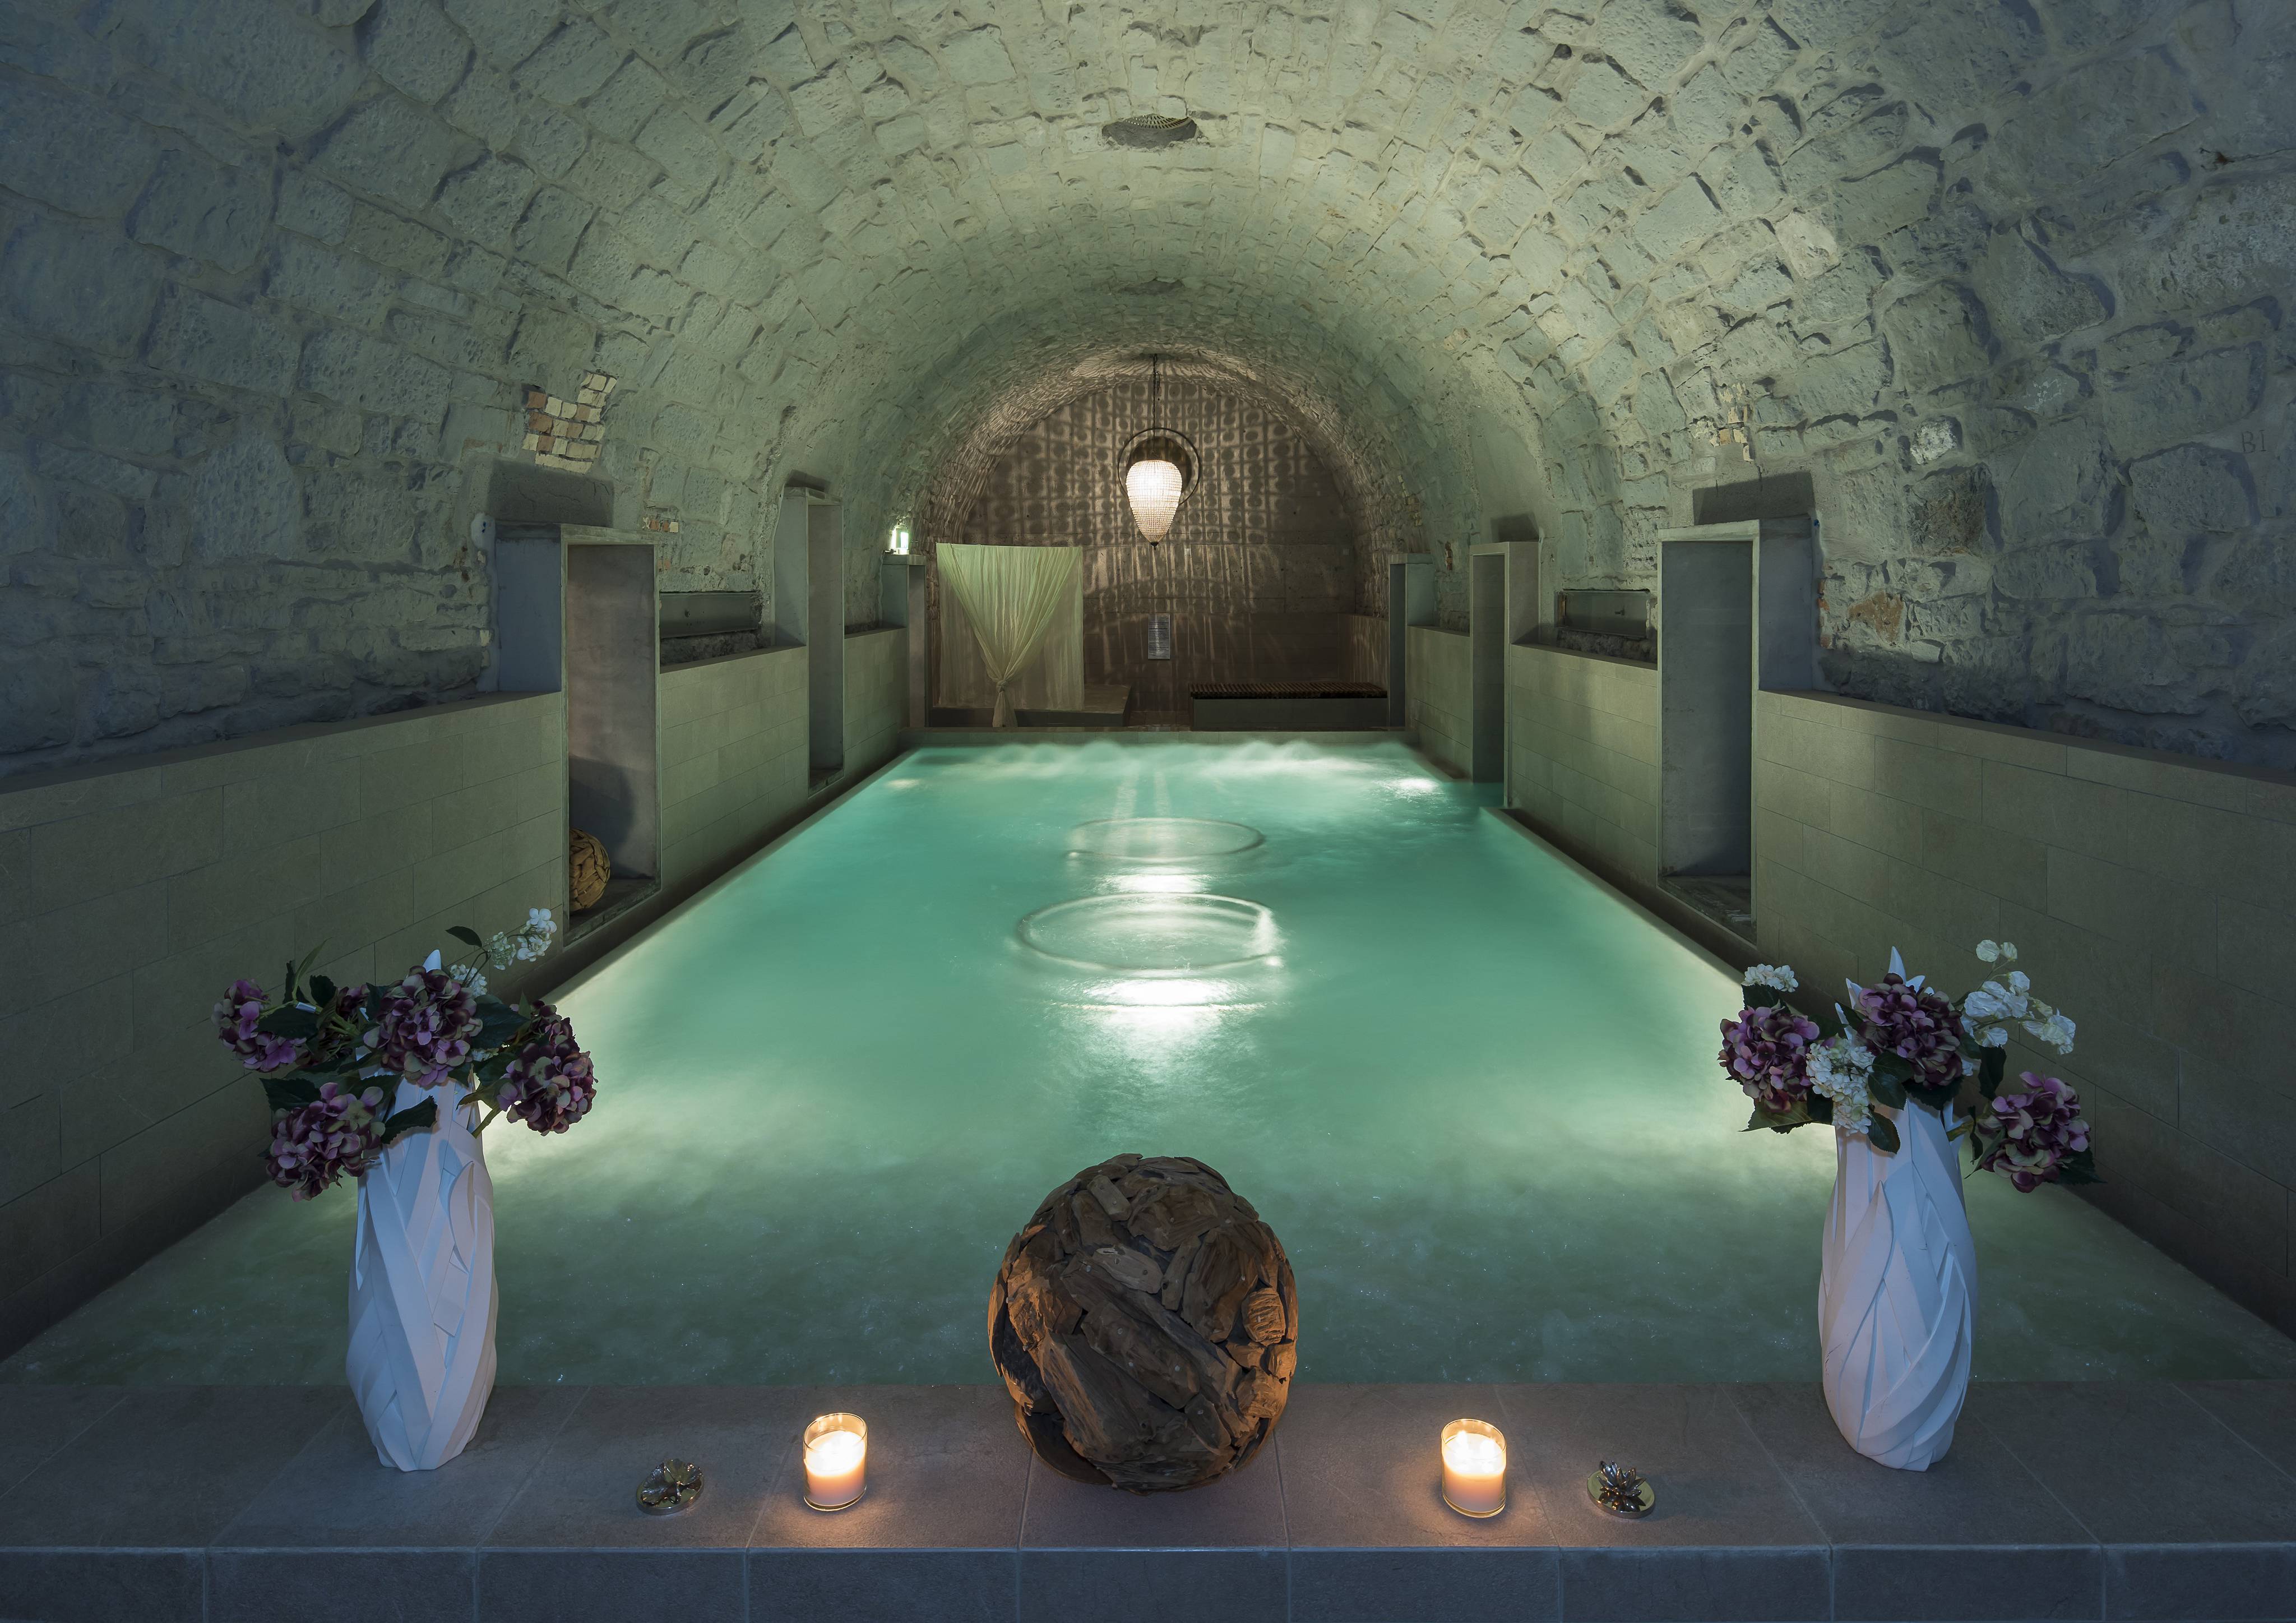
x=290, y=1021
x=1764, y=997
x=464, y=932
x=1887, y=1089
x=1989, y=1069
x=289, y=1090
x=1884, y=1135
x=1821, y=1110
x=1936, y=1096
x=498, y=1025
x=323, y=990
x=414, y=1115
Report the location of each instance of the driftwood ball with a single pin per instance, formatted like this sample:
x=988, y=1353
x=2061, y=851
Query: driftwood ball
x=588, y=871
x=1146, y=1325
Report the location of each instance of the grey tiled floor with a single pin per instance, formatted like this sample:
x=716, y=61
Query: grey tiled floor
x=2099, y=1500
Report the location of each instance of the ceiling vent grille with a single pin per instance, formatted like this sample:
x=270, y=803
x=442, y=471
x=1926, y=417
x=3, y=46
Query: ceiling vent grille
x=1147, y=133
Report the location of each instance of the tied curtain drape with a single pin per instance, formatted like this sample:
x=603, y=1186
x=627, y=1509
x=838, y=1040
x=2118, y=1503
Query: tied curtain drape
x=1011, y=598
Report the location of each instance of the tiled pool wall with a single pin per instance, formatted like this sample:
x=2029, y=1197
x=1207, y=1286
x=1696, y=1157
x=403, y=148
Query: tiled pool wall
x=2153, y=895
x=134, y=893
x=1440, y=692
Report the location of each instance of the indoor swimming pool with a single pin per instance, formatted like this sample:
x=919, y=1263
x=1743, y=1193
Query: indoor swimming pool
x=1473, y=1091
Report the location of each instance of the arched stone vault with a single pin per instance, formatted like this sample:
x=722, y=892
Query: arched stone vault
x=2005, y=280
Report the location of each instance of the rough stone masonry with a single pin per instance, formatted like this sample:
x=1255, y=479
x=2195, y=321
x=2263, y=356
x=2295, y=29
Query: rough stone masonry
x=2006, y=281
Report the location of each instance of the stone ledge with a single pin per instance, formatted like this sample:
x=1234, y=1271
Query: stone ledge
x=2101, y=1500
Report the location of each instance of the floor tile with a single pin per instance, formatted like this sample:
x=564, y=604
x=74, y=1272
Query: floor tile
x=1991, y=1584
x=342, y=1586
x=2201, y=1583
x=583, y=1495
x=1202, y=1586
x=37, y=1421
x=1428, y=1584
x=947, y=1470
x=1362, y=1468
x=1695, y=1585
x=2261, y=1412
x=1979, y=1494
x=2137, y=1462
x=338, y=1494
x=875, y=1585
x=177, y=1464
x=101, y=1585
x=1242, y=1510
x=610, y=1585
x=1715, y=1484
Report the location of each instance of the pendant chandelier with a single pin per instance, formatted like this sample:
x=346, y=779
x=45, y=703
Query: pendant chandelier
x=1160, y=466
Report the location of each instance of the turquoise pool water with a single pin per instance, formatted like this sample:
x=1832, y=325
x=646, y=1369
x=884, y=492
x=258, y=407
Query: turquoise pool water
x=1474, y=1094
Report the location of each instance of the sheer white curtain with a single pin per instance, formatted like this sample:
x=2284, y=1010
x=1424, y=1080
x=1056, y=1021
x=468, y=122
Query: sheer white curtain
x=1013, y=601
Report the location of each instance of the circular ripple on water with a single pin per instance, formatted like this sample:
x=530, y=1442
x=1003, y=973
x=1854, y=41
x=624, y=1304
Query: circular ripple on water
x=1152, y=935
x=1162, y=838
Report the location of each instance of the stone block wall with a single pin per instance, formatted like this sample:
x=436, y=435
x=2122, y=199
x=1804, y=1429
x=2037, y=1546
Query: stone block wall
x=2153, y=897
x=1438, y=695
x=134, y=895
x=733, y=760
x=1582, y=754
x=1363, y=648
x=876, y=698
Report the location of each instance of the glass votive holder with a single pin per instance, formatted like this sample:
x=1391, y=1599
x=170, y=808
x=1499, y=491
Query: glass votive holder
x=836, y=1461
x=1474, y=1468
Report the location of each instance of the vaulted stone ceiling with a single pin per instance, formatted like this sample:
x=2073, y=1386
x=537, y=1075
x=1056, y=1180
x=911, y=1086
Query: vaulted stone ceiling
x=2005, y=279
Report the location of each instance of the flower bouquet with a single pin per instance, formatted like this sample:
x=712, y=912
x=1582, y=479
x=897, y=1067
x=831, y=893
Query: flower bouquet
x=1900, y=1040
x=356, y=1076
x=1896, y=1290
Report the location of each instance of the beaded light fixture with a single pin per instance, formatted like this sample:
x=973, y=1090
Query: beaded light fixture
x=1160, y=466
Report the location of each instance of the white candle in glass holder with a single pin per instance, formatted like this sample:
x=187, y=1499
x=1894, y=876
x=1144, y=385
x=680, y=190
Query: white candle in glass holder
x=836, y=1461
x=1474, y=1468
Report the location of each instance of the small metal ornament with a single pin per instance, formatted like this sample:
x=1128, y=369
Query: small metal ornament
x=1621, y=1490
x=674, y=1486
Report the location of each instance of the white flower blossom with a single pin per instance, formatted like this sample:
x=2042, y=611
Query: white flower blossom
x=2052, y=1027
x=1842, y=1070
x=532, y=942
x=1778, y=977
x=467, y=974
x=1994, y=1036
x=1997, y=951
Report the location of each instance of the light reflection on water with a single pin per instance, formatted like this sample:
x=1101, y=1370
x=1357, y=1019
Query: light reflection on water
x=1474, y=1094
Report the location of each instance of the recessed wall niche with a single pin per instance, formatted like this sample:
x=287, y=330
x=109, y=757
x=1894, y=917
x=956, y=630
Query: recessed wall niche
x=576, y=613
x=1738, y=612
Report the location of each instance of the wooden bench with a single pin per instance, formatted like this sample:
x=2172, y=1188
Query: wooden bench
x=1287, y=706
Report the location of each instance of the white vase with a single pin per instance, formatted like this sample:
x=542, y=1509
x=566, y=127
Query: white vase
x=1898, y=1293
x=422, y=1360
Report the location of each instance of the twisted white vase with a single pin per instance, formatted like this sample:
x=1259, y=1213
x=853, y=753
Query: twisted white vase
x=1896, y=1294
x=421, y=1361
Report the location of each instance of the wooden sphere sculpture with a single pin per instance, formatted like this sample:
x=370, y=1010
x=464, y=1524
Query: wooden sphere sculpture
x=1146, y=1325
x=588, y=869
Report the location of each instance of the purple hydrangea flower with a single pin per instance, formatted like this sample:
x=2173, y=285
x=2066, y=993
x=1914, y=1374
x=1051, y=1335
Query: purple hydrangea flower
x=235, y=1018
x=317, y=1143
x=424, y=1029
x=548, y=1085
x=1767, y=1053
x=2034, y=1132
x=1913, y=1023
